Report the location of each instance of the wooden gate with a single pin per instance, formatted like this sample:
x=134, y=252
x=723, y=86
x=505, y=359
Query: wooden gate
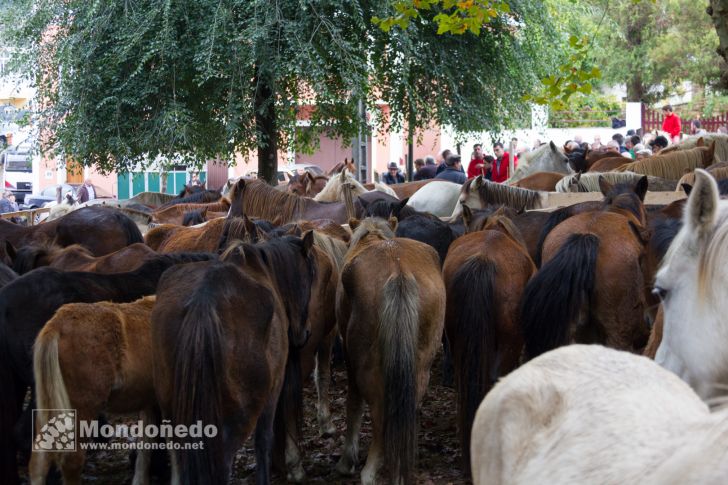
x=74, y=172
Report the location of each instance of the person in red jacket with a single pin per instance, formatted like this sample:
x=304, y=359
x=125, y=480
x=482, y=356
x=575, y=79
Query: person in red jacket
x=671, y=124
x=478, y=164
x=499, y=171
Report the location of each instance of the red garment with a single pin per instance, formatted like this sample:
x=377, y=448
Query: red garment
x=672, y=125
x=500, y=174
x=474, y=172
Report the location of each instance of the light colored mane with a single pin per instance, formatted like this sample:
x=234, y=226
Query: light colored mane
x=672, y=165
x=332, y=190
x=370, y=230
x=721, y=143
x=514, y=197
x=589, y=182
x=335, y=248
x=719, y=173
x=263, y=201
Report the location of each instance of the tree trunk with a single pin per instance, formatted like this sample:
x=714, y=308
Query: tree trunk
x=635, y=85
x=265, y=122
x=718, y=11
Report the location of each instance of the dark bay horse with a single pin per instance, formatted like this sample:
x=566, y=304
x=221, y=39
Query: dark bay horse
x=78, y=258
x=28, y=302
x=485, y=274
x=102, y=230
x=390, y=310
x=229, y=336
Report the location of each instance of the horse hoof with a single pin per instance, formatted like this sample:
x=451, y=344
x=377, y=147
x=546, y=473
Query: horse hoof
x=343, y=468
x=296, y=475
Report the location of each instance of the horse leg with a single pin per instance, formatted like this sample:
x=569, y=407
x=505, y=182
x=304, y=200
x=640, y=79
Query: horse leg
x=374, y=456
x=322, y=377
x=294, y=462
x=264, y=442
x=144, y=456
x=174, y=465
x=448, y=371
x=354, y=413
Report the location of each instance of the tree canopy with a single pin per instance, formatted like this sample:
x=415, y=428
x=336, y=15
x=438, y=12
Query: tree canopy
x=124, y=82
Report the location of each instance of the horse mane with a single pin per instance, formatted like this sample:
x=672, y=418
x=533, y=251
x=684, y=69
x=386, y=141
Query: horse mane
x=670, y=166
x=335, y=248
x=515, y=197
x=201, y=197
x=332, y=190
x=589, y=182
x=720, y=139
x=194, y=217
x=236, y=229
x=262, y=200
x=499, y=221
x=371, y=228
x=26, y=257
x=664, y=230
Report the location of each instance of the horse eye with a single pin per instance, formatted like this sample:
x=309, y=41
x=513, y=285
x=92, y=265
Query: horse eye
x=659, y=292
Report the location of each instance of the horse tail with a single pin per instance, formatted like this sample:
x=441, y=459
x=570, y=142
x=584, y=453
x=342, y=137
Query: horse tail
x=50, y=388
x=197, y=383
x=557, y=217
x=398, y=337
x=131, y=230
x=554, y=297
x=472, y=304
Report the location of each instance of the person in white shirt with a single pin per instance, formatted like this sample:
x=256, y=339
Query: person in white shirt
x=86, y=192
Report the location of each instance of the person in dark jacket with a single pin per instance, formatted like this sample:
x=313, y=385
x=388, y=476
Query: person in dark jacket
x=86, y=192
x=428, y=171
x=393, y=175
x=453, y=171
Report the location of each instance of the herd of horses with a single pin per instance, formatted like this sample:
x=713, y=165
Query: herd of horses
x=126, y=310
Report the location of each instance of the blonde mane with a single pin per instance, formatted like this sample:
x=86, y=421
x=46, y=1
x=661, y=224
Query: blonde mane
x=369, y=231
x=514, y=197
x=589, y=181
x=721, y=143
x=263, y=201
x=672, y=165
x=332, y=191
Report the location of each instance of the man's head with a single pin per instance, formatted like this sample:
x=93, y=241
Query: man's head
x=667, y=109
x=445, y=154
x=429, y=160
x=498, y=149
x=577, y=138
x=478, y=151
x=613, y=146
x=393, y=168
x=419, y=163
x=453, y=161
x=618, y=138
x=659, y=143
x=636, y=140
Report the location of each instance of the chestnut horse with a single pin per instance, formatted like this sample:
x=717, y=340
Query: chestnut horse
x=78, y=258
x=390, y=309
x=307, y=184
x=229, y=337
x=27, y=303
x=117, y=339
x=545, y=181
x=102, y=230
x=485, y=273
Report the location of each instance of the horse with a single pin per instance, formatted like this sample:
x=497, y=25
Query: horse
x=174, y=214
x=341, y=167
x=388, y=350
x=438, y=197
x=689, y=284
x=718, y=172
x=720, y=140
x=544, y=181
x=102, y=230
x=307, y=184
x=193, y=195
x=171, y=238
x=404, y=190
x=608, y=164
x=257, y=299
x=332, y=191
x=78, y=258
x=481, y=192
x=485, y=274
x=148, y=199
x=589, y=414
x=28, y=302
x=672, y=165
x=546, y=158
x=116, y=338
x=589, y=182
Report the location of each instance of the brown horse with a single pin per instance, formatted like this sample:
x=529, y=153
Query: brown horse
x=485, y=273
x=390, y=308
x=170, y=238
x=175, y=213
x=116, y=339
x=102, y=230
x=673, y=165
x=341, y=166
x=228, y=336
x=540, y=181
x=607, y=164
x=307, y=185
x=590, y=287
x=78, y=258
x=404, y=190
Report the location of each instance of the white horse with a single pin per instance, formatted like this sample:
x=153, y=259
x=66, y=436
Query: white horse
x=693, y=285
x=332, y=190
x=588, y=414
x=546, y=158
x=444, y=199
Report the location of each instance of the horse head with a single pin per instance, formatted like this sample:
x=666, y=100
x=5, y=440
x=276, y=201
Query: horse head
x=690, y=284
x=626, y=197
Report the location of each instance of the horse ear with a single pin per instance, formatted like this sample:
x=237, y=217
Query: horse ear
x=354, y=223
x=250, y=226
x=604, y=186
x=467, y=217
x=687, y=188
x=478, y=181
x=553, y=146
x=700, y=142
x=401, y=205
x=393, y=222
x=640, y=188
x=702, y=205
x=307, y=242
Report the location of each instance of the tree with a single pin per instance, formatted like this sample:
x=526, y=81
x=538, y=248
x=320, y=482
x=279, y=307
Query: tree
x=129, y=81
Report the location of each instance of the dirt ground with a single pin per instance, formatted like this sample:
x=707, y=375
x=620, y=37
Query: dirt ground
x=438, y=450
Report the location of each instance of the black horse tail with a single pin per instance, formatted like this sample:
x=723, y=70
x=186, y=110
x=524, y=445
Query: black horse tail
x=555, y=296
x=198, y=381
x=131, y=230
x=398, y=336
x=557, y=217
x=471, y=305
